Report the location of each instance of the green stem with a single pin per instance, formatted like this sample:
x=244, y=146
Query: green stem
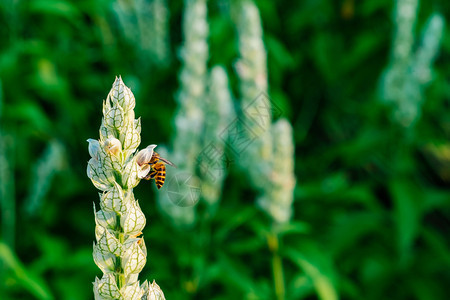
x=277, y=266
x=121, y=281
x=7, y=199
x=120, y=276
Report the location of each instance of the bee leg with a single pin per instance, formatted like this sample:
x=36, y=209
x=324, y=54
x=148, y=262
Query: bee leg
x=151, y=174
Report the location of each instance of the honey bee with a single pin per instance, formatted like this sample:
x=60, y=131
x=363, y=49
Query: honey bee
x=158, y=169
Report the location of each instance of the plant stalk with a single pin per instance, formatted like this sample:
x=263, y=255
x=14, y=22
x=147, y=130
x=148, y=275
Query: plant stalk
x=277, y=266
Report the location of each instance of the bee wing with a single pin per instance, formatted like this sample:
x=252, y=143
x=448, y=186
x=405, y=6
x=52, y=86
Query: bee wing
x=167, y=162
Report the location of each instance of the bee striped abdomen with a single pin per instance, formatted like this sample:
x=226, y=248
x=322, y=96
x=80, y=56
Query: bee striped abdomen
x=160, y=175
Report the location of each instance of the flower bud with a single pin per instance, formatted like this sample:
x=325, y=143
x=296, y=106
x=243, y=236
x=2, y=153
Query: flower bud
x=113, y=146
x=154, y=292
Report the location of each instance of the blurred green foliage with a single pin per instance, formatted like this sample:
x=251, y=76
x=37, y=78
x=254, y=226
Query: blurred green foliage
x=372, y=202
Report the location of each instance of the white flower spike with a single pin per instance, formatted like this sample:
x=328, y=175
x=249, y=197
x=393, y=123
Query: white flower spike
x=115, y=170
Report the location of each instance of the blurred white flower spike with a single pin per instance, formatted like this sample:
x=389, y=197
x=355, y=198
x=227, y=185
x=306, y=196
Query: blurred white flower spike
x=115, y=170
x=410, y=69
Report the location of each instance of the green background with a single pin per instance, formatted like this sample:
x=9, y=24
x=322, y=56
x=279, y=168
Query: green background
x=372, y=201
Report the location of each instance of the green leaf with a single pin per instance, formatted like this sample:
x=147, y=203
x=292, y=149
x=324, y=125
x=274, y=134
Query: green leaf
x=407, y=199
x=236, y=274
x=313, y=268
x=326, y=50
x=54, y=7
x=364, y=47
x=248, y=245
x=31, y=282
x=279, y=52
x=294, y=227
x=350, y=227
x=235, y=220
